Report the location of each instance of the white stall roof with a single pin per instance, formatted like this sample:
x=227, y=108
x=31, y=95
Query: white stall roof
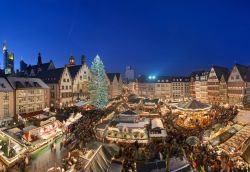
x=156, y=123
x=243, y=117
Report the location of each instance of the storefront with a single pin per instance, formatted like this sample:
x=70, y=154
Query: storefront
x=46, y=131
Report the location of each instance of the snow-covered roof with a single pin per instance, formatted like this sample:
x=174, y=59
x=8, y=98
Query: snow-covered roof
x=243, y=117
x=156, y=123
x=140, y=124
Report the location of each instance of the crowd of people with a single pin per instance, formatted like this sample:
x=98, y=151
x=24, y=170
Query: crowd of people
x=202, y=156
x=79, y=133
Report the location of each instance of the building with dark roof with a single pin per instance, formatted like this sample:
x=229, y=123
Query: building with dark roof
x=60, y=82
x=180, y=88
x=195, y=75
x=31, y=95
x=6, y=102
x=34, y=70
x=238, y=85
x=217, y=85
x=81, y=76
x=198, y=85
x=165, y=87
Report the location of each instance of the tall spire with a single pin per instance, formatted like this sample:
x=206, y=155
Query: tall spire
x=83, y=59
x=39, y=59
x=4, y=46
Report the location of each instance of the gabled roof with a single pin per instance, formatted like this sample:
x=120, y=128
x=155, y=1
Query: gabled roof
x=219, y=71
x=244, y=72
x=51, y=76
x=111, y=76
x=43, y=66
x=73, y=70
x=4, y=85
x=192, y=105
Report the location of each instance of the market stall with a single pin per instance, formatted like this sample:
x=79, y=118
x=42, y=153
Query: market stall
x=192, y=114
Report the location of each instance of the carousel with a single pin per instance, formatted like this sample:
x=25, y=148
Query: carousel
x=192, y=114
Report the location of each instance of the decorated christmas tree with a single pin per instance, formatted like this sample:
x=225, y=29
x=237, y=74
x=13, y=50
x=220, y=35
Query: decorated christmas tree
x=98, y=86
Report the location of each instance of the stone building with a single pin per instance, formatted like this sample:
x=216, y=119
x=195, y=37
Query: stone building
x=31, y=96
x=217, y=85
x=81, y=76
x=6, y=102
x=60, y=82
x=239, y=85
x=180, y=88
x=165, y=87
x=198, y=86
x=114, y=81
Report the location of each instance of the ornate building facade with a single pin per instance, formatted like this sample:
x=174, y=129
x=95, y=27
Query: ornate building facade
x=239, y=85
x=217, y=85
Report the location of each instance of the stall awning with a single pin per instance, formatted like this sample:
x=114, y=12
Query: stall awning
x=193, y=105
x=32, y=114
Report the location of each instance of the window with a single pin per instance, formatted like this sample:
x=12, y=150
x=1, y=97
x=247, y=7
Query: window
x=67, y=80
x=66, y=87
x=62, y=87
x=64, y=80
x=6, y=109
x=6, y=96
x=232, y=78
x=84, y=72
x=80, y=77
x=52, y=95
x=237, y=77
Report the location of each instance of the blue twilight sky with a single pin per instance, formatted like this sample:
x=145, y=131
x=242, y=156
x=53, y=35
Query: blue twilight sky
x=154, y=36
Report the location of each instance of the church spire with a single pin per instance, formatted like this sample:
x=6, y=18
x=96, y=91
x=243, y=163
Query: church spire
x=83, y=59
x=39, y=59
x=4, y=46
